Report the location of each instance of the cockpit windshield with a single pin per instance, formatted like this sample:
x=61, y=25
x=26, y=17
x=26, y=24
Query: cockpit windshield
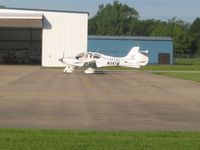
x=85, y=56
x=81, y=56
x=96, y=56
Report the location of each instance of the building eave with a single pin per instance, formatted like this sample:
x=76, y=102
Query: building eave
x=47, y=10
x=145, y=38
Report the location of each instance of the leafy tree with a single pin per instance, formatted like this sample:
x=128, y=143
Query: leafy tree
x=195, y=32
x=161, y=30
x=112, y=19
x=144, y=27
x=182, y=40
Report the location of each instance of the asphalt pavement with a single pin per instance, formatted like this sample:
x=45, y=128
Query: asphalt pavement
x=35, y=97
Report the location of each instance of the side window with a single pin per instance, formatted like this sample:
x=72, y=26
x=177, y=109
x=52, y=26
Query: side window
x=86, y=56
x=96, y=56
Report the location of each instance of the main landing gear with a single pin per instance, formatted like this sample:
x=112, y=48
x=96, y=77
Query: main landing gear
x=89, y=71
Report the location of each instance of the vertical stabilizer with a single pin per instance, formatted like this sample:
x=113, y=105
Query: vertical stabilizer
x=132, y=52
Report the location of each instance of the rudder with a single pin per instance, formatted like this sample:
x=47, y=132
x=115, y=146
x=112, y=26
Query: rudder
x=132, y=52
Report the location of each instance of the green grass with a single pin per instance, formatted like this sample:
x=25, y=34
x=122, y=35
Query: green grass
x=186, y=61
x=168, y=70
x=157, y=68
x=181, y=65
x=182, y=75
x=172, y=67
x=177, y=71
x=29, y=139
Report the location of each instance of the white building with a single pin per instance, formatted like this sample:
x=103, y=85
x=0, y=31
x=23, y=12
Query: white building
x=41, y=35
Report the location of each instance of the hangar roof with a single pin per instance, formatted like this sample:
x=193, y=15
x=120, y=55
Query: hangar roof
x=145, y=38
x=48, y=10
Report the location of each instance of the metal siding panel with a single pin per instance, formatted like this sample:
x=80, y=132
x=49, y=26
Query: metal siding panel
x=63, y=33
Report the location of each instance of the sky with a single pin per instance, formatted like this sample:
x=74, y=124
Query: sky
x=187, y=10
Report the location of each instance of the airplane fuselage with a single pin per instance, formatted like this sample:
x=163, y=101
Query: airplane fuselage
x=134, y=59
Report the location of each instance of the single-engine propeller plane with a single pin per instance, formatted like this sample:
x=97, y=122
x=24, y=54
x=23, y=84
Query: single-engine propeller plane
x=91, y=60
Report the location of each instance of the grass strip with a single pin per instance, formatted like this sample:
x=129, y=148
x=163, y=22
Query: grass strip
x=188, y=76
x=31, y=139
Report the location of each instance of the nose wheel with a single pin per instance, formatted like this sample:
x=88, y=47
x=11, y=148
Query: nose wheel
x=68, y=69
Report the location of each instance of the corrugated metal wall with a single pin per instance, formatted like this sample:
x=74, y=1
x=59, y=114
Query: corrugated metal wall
x=63, y=33
x=120, y=47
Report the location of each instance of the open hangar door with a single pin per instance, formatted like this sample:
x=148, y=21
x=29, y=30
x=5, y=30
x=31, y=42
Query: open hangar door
x=20, y=39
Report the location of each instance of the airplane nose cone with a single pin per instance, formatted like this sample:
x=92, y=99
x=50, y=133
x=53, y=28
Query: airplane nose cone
x=61, y=59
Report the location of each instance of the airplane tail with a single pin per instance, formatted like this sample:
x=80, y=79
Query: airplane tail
x=132, y=52
x=141, y=57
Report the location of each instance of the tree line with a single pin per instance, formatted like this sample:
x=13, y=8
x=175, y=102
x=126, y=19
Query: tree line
x=121, y=20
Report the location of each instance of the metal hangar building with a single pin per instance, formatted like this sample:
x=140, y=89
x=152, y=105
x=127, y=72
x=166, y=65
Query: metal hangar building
x=29, y=36
x=160, y=48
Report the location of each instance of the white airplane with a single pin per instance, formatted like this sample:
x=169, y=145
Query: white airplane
x=91, y=60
